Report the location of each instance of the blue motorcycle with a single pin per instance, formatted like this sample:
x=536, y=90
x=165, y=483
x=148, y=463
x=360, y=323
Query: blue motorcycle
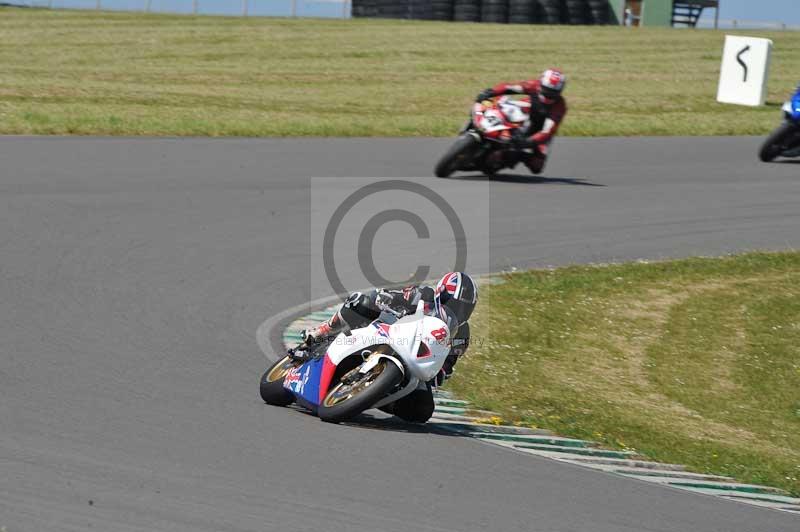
x=784, y=141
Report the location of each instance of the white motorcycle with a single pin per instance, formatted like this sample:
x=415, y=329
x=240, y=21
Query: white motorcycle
x=361, y=369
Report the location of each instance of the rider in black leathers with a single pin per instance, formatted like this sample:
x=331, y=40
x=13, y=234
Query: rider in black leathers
x=452, y=299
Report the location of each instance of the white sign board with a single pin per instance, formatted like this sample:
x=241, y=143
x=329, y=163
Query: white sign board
x=745, y=68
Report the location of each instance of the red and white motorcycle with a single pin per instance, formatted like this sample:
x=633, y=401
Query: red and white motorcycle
x=364, y=368
x=485, y=143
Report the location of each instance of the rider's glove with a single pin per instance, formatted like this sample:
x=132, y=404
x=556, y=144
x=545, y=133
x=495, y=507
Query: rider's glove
x=485, y=95
x=384, y=300
x=315, y=335
x=308, y=337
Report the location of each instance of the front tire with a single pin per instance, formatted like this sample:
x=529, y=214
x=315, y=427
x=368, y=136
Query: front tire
x=775, y=143
x=348, y=399
x=272, y=390
x=460, y=151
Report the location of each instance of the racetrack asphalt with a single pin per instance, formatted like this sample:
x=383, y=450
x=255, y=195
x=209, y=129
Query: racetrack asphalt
x=135, y=273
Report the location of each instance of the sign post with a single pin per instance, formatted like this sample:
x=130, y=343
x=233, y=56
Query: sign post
x=744, y=72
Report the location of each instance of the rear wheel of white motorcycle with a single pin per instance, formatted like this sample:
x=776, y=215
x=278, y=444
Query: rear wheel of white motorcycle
x=272, y=390
x=458, y=153
x=775, y=143
x=357, y=392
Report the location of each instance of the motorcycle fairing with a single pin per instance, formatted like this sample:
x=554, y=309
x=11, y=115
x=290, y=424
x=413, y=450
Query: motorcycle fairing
x=309, y=382
x=516, y=111
x=421, y=342
x=497, y=118
x=795, y=106
x=791, y=108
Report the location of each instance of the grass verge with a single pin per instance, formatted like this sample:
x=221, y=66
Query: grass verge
x=692, y=361
x=73, y=72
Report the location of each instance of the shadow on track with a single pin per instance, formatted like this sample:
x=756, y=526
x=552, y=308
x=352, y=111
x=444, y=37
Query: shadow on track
x=374, y=420
x=389, y=423
x=369, y=421
x=530, y=179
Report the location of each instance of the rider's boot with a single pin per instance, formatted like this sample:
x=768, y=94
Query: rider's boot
x=315, y=335
x=323, y=331
x=535, y=162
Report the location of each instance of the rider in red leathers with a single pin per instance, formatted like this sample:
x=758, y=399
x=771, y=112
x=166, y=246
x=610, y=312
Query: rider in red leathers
x=548, y=109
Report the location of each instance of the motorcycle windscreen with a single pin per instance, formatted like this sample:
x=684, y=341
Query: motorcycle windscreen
x=309, y=382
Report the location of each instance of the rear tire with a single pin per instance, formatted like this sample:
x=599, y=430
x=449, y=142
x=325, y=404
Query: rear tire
x=774, y=145
x=458, y=152
x=374, y=386
x=272, y=390
x=416, y=407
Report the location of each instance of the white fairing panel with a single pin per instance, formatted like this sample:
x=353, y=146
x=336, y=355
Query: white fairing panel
x=492, y=121
x=425, y=355
x=422, y=343
x=358, y=341
x=515, y=110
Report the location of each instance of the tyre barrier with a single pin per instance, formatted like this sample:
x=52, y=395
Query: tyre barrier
x=442, y=9
x=577, y=12
x=467, y=11
x=599, y=12
x=552, y=11
x=393, y=9
x=523, y=11
x=364, y=8
x=420, y=10
x=494, y=11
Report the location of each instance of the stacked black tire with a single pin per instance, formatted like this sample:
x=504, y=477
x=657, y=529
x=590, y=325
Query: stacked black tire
x=599, y=12
x=442, y=9
x=577, y=12
x=467, y=10
x=500, y=11
x=523, y=11
x=392, y=8
x=552, y=11
x=364, y=8
x=420, y=10
x=494, y=11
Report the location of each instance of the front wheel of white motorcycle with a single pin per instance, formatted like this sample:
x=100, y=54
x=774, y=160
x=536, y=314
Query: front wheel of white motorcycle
x=459, y=153
x=357, y=392
x=272, y=390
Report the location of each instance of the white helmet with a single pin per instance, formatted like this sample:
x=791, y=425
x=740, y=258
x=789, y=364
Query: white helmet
x=550, y=85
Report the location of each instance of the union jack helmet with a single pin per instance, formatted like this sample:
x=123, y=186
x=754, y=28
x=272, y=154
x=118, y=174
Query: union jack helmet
x=550, y=85
x=457, y=292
